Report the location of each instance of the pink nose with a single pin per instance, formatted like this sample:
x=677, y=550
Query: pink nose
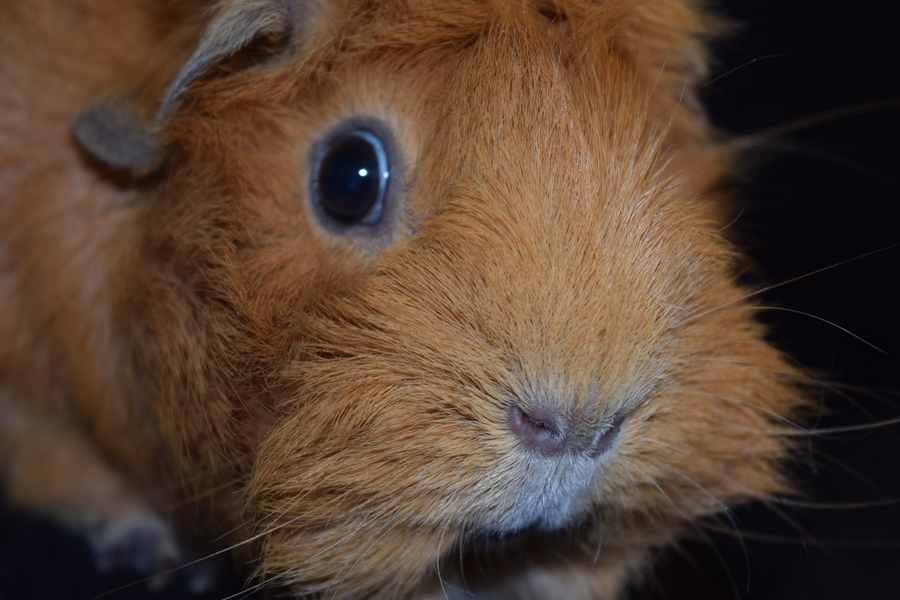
x=549, y=432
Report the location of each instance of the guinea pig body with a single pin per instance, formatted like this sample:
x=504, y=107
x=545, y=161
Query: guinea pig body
x=510, y=363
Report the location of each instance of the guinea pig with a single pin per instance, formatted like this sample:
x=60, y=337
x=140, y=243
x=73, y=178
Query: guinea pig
x=415, y=299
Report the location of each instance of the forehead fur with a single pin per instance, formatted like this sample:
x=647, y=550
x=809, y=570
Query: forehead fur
x=657, y=44
x=666, y=33
x=664, y=23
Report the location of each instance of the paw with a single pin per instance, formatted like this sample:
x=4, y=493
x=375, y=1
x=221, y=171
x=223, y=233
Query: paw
x=138, y=541
x=143, y=543
x=203, y=576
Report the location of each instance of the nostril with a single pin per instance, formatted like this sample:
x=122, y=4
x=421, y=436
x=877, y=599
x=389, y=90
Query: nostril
x=605, y=436
x=538, y=428
x=547, y=431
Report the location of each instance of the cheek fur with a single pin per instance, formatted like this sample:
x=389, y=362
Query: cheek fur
x=394, y=419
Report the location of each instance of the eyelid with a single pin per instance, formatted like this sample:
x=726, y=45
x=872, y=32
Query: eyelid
x=388, y=219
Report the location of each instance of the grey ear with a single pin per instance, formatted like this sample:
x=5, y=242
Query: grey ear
x=238, y=24
x=116, y=137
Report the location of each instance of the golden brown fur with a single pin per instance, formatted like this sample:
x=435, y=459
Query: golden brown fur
x=560, y=241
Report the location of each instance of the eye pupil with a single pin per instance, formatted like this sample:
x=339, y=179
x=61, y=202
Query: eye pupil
x=352, y=178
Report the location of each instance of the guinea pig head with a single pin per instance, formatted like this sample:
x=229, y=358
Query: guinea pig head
x=416, y=272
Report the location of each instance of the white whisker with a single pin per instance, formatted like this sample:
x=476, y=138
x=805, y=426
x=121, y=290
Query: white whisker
x=790, y=281
x=822, y=320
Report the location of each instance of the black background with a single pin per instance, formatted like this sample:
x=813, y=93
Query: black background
x=811, y=198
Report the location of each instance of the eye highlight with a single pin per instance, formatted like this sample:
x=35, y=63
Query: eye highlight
x=351, y=177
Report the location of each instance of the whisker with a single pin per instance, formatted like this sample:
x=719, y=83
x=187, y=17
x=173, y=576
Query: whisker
x=840, y=430
x=825, y=431
x=813, y=120
x=822, y=320
x=813, y=542
x=769, y=413
x=790, y=281
x=200, y=496
x=687, y=556
x=196, y=561
x=688, y=519
x=734, y=221
x=786, y=518
x=724, y=564
x=757, y=536
x=836, y=159
x=859, y=477
x=231, y=531
x=462, y=570
x=821, y=382
x=865, y=504
x=741, y=67
x=437, y=566
x=250, y=590
x=707, y=539
x=725, y=511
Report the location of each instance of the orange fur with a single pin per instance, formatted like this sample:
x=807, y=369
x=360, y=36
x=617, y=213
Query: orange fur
x=560, y=240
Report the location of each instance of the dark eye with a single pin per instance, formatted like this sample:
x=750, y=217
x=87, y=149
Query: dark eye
x=352, y=178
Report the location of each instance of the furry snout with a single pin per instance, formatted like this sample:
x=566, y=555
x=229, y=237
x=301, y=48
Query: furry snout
x=412, y=401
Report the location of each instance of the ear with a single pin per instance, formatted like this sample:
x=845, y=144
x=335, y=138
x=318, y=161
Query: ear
x=114, y=135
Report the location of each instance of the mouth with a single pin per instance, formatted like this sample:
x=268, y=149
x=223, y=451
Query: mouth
x=553, y=492
x=487, y=559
